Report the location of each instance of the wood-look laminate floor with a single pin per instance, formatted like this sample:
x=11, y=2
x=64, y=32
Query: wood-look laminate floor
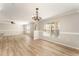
x=21, y=46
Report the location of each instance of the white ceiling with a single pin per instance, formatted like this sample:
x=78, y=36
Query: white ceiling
x=24, y=11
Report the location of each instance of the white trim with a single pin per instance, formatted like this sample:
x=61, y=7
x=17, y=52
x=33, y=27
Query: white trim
x=71, y=33
x=62, y=44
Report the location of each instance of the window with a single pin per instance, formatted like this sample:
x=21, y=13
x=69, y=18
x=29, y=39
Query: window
x=28, y=28
x=51, y=29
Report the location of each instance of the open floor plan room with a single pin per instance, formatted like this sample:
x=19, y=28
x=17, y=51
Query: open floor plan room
x=39, y=29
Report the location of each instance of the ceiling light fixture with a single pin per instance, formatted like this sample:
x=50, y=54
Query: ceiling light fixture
x=12, y=22
x=36, y=16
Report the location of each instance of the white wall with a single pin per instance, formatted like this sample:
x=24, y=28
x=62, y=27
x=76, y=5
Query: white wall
x=69, y=31
x=69, y=23
x=10, y=29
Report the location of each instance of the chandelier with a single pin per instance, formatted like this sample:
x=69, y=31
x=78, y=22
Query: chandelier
x=36, y=16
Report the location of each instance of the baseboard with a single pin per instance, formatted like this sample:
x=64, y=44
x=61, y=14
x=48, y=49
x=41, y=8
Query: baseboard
x=62, y=44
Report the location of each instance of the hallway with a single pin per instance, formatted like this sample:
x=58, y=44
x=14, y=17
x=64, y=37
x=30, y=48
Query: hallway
x=23, y=46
